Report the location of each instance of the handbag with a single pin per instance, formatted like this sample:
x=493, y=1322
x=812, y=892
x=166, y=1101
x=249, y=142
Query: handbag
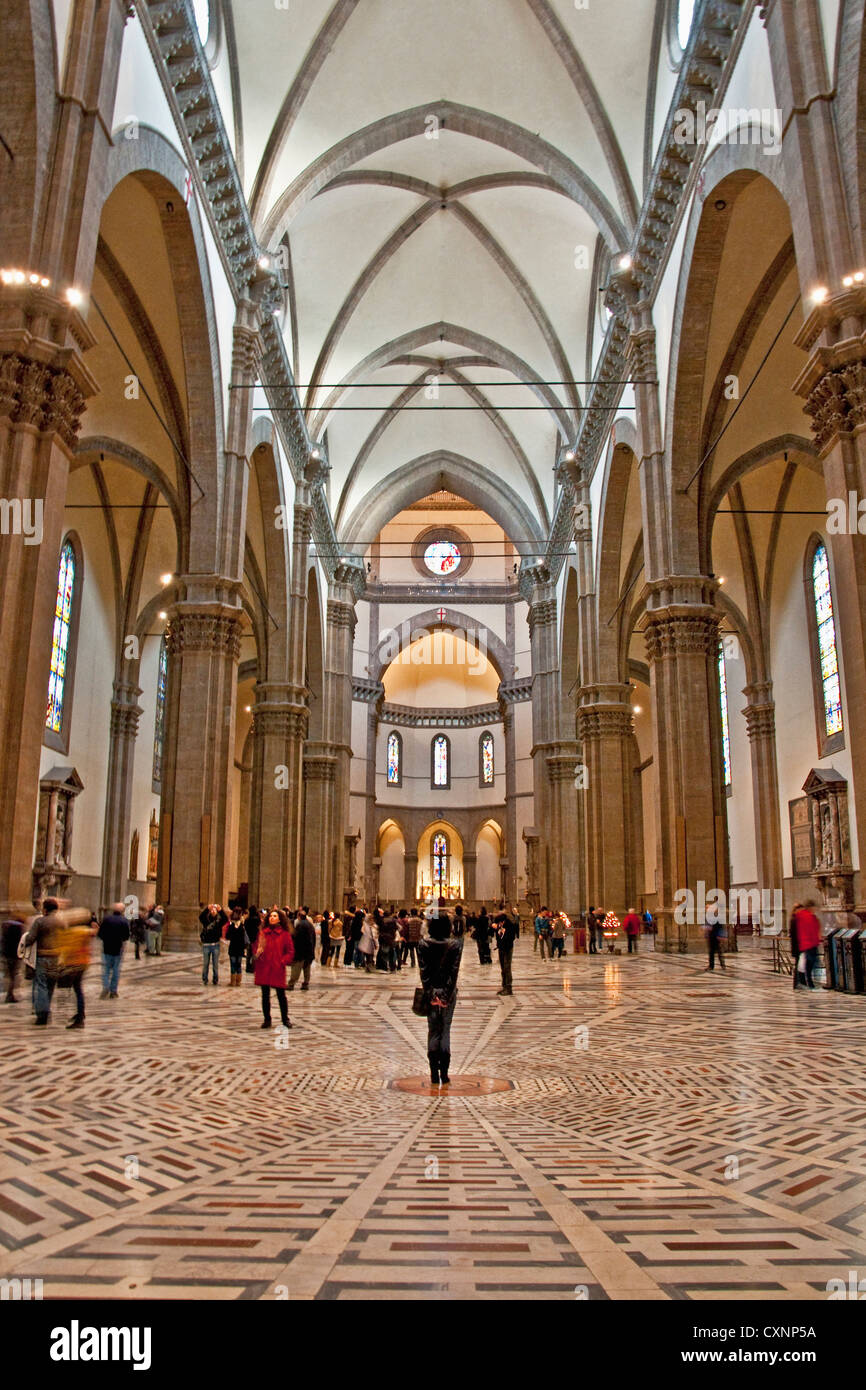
x=27, y=953
x=421, y=1001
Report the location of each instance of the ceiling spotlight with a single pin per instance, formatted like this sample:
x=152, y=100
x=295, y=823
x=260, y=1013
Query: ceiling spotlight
x=45, y=282
x=859, y=277
x=33, y=278
x=625, y=262
x=165, y=579
x=74, y=296
x=264, y=261
x=847, y=281
x=820, y=294
x=569, y=456
x=248, y=708
x=315, y=452
x=163, y=616
x=637, y=709
x=721, y=579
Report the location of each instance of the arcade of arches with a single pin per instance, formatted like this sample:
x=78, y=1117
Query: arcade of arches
x=426, y=469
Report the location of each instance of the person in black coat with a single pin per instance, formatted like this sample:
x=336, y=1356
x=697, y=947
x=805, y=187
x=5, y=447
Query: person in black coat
x=506, y=934
x=304, y=942
x=352, y=951
x=12, y=931
x=439, y=961
x=113, y=933
x=481, y=931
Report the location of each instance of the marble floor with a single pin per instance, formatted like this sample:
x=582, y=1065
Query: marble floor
x=620, y=1128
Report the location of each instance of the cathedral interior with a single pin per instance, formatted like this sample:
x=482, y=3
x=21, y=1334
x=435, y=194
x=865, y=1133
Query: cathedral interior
x=499, y=368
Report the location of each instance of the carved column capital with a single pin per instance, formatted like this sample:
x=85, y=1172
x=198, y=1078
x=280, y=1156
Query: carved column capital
x=684, y=629
x=760, y=712
x=204, y=629
x=43, y=397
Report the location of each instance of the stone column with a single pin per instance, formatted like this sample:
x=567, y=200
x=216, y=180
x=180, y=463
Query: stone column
x=681, y=627
x=510, y=886
x=760, y=715
x=564, y=876
x=541, y=597
x=319, y=869
x=347, y=585
x=203, y=647
x=410, y=876
x=607, y=730
x=125, y=714
x=279, y=730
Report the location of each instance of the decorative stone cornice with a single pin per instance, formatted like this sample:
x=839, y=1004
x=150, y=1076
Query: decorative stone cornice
x=515, y=691
x=280, y=721
x=407, y=716
x=320, y=767
x=125, y=712
x=203, y=630
x=681, y=631
x=760, y=712
x=561, y=767
x=341, y=615
x=541, y=614
x=366, y=692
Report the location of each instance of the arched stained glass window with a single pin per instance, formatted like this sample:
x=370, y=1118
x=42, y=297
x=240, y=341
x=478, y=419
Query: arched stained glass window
x=159, y=725
x=440, y=862
x=828, y=662
x=60, y=642
x=395, y=759
x=441, y=770
x=485, y=760
x=726, y=732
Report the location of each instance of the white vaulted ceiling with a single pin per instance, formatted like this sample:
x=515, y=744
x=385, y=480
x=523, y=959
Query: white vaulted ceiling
x=433, y=169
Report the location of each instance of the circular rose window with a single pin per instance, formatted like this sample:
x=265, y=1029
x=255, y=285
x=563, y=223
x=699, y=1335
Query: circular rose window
x=442, y=557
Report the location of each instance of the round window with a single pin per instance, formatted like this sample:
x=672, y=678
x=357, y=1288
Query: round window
x=442, y=558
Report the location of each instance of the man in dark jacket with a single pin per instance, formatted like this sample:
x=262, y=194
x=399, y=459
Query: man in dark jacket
x=506, y=933
x=304, y=941
x=387, y=940
x=12, y=931
x=439, y=962
x=45, y=931
x=113, y=933
x=214, y=920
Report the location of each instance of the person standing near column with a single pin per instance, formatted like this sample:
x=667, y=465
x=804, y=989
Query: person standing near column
x=808, y=938
x=631, y=925
x=113, y=933
x=506, y=933
x=213, y=920
x=44, y=930
x=714, y=932
x=153, y=924
x=273, y=953
x=439, y=962
x=304, y=944
x=334, y=929
x=236, y=937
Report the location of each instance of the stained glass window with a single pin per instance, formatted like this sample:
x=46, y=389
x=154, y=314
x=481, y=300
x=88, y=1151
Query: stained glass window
x=726, y=733
x=827, y=657
x=440, y=862
x=394, y=760
x=60, y=639
x=440, y=761
x=486, y=749
x=442, y=557
x=159, y=727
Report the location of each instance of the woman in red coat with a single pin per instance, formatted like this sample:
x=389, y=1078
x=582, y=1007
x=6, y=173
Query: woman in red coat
x=274, y=952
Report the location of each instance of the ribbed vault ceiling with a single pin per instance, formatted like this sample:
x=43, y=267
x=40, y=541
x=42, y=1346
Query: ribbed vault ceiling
x=432, y=169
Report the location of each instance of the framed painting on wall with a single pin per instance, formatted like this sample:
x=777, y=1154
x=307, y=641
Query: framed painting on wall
x=802, y=848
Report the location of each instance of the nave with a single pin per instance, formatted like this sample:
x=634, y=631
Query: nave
x=702, y=1140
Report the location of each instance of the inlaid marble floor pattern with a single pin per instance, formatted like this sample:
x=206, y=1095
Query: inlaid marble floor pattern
x=665, y=1134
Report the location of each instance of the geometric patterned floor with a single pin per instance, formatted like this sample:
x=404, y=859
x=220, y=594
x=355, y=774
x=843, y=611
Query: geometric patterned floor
x=667, y=1134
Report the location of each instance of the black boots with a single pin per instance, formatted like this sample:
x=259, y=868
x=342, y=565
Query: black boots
x=77, y=1022
x=444, y=1060
x=434, y=1071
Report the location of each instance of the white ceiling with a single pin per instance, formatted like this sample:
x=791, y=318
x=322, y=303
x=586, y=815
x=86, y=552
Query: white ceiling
x=548, y=97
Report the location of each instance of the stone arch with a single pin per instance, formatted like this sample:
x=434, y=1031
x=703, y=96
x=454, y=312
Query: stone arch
x=156, y=164
x=315, y=659
x=608, y=560
x=420, y=624
x=441, y=469
x=265, y=464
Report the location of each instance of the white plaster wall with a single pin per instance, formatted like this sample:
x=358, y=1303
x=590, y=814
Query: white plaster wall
x=391, y=868
x=487, y=873
x=139, y=90
x=741, y=804
x=464, y=790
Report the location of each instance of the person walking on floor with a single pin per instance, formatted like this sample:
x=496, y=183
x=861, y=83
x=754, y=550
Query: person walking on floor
x=439, y=961
x=214, y=920
x=273, y=954
x=74, y=943
x=11, y=933
x=304, y=943
x=113, y=933
x=590, y=931
x=482, y=932
x=252, y=927
x=506, y=933
x=715, y=931
x=356, y=931
x=631, y=926
x=236, y=938
x=809, y=935
x=799, y=978
x=388, y=942
x=137, y=933
x=45, y=931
